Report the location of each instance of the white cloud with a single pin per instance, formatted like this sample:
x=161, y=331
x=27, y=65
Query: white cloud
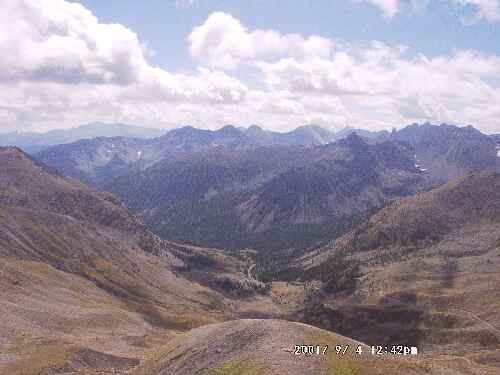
x=223, y=42
x=381, y=85
x=60, y=64
x=62, y=67
x=388, y=7
x=351, y=71
x=60, y=41
x=206, y=86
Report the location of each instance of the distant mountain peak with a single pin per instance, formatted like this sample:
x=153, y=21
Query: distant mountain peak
x=255, y=128
x=346, y=129
x=33, y=142
x=312, y=127
x=185, y=128
x=22, y=159
x=448, y=151
x=11, y=149
x=229, y=130
x=354, y=137
x=355, y=140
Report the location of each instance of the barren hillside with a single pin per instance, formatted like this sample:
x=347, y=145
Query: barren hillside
x=265, y=347
x=430, y=273
x=84, y=284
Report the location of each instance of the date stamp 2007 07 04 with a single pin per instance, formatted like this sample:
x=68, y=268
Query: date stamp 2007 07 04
x=341, y=350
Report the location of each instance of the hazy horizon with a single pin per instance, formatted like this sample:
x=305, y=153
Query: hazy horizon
x=218, y=127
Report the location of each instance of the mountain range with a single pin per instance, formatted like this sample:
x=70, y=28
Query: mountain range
x=242, y=198
x=237, y=188
x=100, y=159
x=32, y=142
x=307, y=135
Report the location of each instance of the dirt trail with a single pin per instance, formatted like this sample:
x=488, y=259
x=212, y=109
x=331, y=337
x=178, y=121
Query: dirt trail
x=489, y=326
x=249, y=271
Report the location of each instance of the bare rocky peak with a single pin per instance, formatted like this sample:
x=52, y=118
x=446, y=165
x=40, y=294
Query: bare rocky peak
x=26, y=183
x=447, y=150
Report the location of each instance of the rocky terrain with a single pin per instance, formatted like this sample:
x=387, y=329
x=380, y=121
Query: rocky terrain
x=448, y=151
x=97, y=161
x=429, y=273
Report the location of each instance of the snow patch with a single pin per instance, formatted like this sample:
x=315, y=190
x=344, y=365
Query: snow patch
x=419, y=167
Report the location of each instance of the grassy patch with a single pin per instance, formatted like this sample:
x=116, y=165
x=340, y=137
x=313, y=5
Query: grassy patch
x=341, y=367
x=237, y=366
x=33, y=359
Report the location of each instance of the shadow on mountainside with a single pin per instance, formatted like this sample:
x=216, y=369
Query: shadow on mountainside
x=386, y=323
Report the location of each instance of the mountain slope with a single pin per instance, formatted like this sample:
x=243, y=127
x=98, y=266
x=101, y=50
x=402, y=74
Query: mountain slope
x=467, y=200
x=429, y=272
x=249, y=347
x=240, y=198
x=380, y=135
x=26, y=184
x=85, y=285
x=448, y=151
x=98, y=161
x=189, y=139
x=348, y=178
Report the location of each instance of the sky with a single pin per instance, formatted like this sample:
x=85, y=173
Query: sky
x=372, y=64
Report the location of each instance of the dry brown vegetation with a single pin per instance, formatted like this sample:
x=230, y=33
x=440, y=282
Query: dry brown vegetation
x=80, y=275
x=265, y=347
x=430, y=274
